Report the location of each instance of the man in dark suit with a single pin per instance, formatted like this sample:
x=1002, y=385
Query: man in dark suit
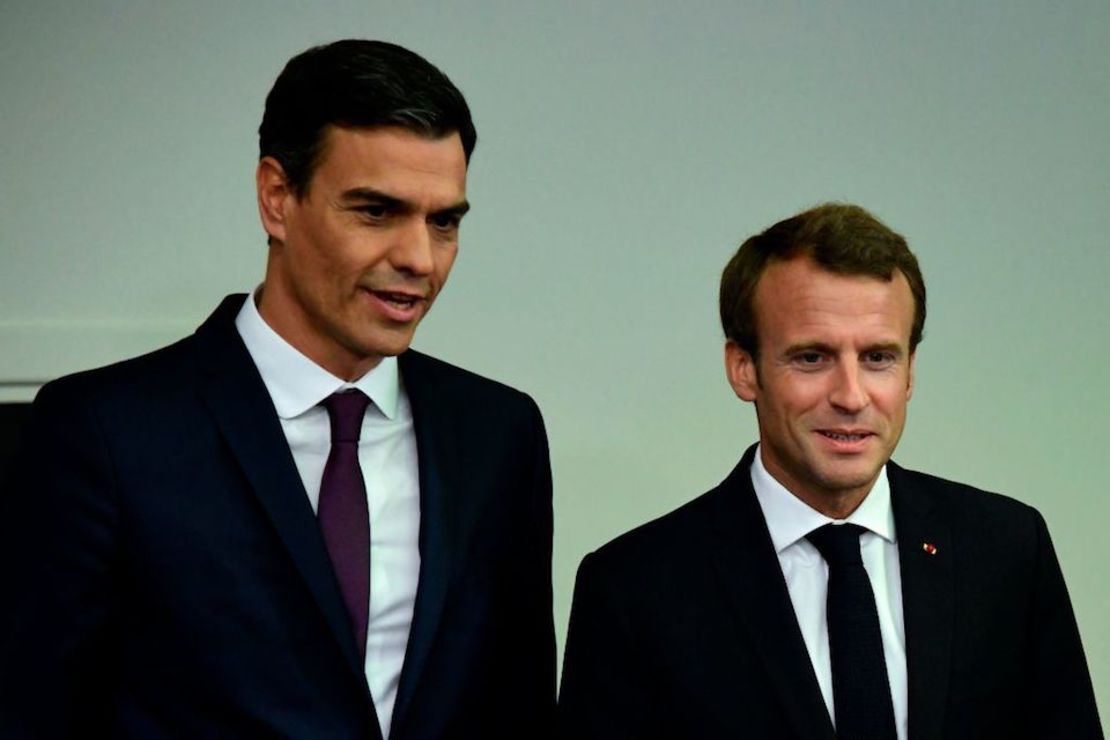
x=290, y=524
x=821, y=590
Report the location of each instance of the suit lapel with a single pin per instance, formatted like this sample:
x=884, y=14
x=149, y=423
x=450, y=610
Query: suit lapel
x=441, y=481
x=750, y=574
x=925, y=553
x=237, y=399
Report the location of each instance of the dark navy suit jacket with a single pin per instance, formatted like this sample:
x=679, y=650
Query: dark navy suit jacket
x=165, y=576
x=684, y=628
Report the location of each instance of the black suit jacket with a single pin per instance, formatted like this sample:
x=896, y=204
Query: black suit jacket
x=165, y=575
x=683, y=628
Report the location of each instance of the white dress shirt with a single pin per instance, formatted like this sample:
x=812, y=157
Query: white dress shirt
x=807, y=576
x=387, y=456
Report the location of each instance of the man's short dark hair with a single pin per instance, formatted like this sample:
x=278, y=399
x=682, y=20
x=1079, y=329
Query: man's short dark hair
x=841, y=238
x=356, y=84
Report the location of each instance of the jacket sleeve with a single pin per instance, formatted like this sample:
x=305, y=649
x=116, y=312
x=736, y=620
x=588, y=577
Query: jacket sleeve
x=531, y=688
x=60, y=542
x=1064, y=701
x=605, y=691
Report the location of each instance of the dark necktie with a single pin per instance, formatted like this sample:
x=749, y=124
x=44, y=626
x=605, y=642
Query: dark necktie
x=342, y=512
x=861, y=690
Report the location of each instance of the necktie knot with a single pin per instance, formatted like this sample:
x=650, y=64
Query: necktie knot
x=838, y=543
x=345, y=410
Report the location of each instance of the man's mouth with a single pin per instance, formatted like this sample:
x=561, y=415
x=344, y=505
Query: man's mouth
x=403, y=306
x=400, y=300
x=844, y=436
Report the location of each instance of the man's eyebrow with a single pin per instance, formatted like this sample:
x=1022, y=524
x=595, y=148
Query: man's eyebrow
x=893, y=347
x=799, y=347
x=370, y=195
x=459, y=209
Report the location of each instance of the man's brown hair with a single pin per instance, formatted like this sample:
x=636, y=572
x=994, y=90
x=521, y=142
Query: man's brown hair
x=841, y=238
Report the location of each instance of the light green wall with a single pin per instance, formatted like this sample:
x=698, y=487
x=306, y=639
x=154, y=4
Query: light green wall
x=625, y=149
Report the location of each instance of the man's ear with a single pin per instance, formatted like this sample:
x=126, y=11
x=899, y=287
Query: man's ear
x=273, y=195
x=741, y=371
x=913, y=364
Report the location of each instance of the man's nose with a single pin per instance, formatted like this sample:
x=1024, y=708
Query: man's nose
x=848, y=393
x=412, y=249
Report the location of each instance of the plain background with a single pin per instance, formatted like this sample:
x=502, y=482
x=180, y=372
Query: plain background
x=625, y=149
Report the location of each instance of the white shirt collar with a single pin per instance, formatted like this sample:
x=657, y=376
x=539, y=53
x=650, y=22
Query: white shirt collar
x=296, y=383
x=789, y=519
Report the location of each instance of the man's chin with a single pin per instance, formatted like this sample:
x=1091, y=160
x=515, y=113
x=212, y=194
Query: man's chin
x=386, y=347
x=847, y=482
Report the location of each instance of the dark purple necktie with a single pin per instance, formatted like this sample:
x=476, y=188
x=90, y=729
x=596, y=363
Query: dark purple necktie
x=342, y=512
x=861, y=691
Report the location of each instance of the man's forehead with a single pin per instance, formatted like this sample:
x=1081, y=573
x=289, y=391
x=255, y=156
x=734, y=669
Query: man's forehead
x=799, y=297
x=803, y=277
x=393, y=161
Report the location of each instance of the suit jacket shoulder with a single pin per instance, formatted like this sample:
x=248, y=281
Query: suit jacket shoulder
x=456, y=390
x=960, y=499
x=983, y=527
x=164, y=375
x=675, y=542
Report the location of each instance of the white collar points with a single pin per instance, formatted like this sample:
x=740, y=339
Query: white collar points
x=297, y=384
x=789, y=519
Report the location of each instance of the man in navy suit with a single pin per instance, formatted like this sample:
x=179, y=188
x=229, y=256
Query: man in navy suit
x=205, y=544
x=821, y=590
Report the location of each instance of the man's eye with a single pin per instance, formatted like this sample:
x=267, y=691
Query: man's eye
x=879, y=358
x=809, y=358
x=445, y=222
x=374, y=211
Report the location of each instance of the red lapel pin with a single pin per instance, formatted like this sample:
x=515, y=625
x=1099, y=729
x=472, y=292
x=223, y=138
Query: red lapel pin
x=929, y=547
